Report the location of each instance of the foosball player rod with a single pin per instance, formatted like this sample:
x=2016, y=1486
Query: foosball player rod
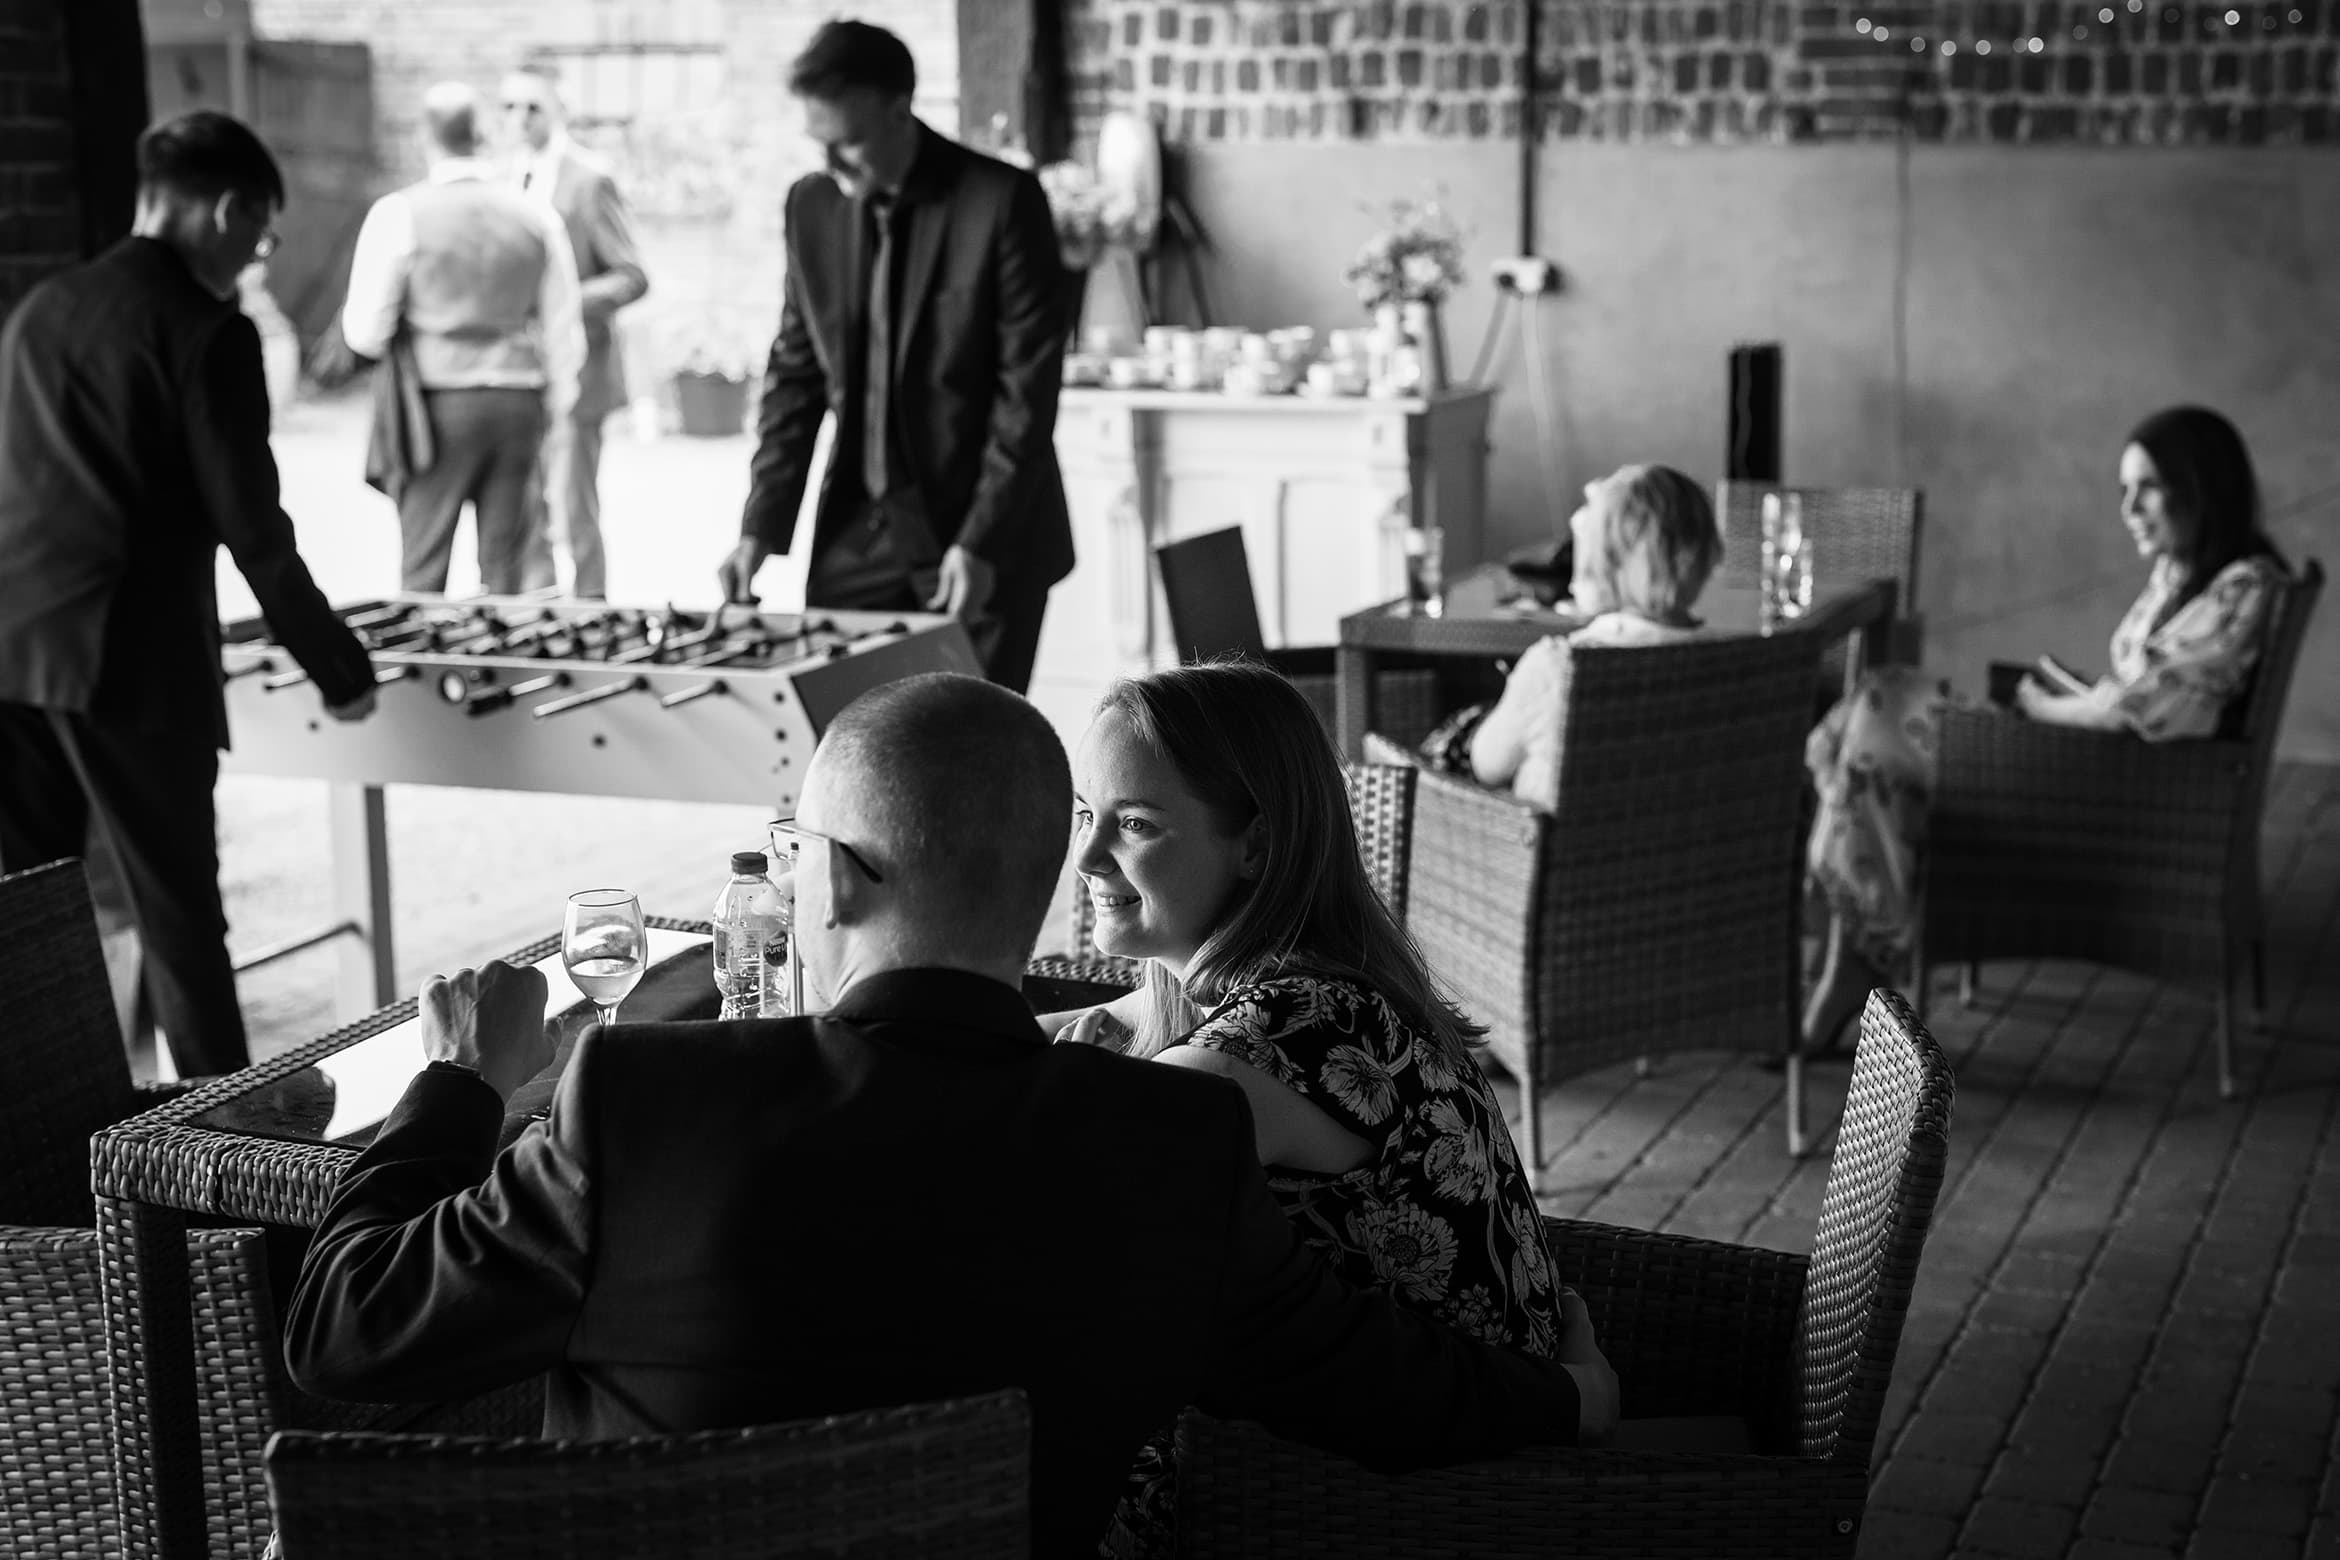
x=379, y=616
x=488, y=699
x=683, y=696
x=284, y=680
x=384, y=676
x=251, y=669
x=578, y=701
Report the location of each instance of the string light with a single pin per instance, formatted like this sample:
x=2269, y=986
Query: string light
x=1982, y=46
x=1882, y=33
x=2079, y=33
x=1948, y=47
x=2233, y=17
x=1917, y=45
x=1861, y=26
x=2105, y=16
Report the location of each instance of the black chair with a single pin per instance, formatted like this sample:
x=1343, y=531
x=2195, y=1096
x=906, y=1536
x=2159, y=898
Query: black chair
x=1206, y=583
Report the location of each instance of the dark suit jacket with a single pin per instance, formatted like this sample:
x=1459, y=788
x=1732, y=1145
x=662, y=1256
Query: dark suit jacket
x=913, y=1197
x=978, y=360
x=609, y=273
x=133, y=443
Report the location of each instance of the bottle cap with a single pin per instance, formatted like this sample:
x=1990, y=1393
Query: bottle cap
x=749, y=862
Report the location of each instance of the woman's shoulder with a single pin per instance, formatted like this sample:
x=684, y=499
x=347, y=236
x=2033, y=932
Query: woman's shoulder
x=1626, y=630
x=1309, y=999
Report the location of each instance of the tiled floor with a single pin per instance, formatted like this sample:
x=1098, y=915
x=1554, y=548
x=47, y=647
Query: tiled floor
x=2126, y=1335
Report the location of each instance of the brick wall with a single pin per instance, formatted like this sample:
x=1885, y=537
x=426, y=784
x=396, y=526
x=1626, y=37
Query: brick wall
x=40, y=218
x=2099, y=71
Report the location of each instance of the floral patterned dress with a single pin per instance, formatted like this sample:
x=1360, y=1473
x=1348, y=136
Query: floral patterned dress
x=1441, y=1214
x=1872, y=756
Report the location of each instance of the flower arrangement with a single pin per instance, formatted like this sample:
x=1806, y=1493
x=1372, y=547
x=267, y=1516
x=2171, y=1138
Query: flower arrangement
x=1089, y=216
x=1417, y=259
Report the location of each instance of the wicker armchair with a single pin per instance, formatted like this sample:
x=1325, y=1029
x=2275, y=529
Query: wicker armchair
x=1792, y=1355
x=2052, y=842
x=1381, y=798
x=1857, y=534
x=63, y=1076
x=949, y=1480
x=1658, y=906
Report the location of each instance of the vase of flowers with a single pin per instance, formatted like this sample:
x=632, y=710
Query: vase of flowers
x=1408, y=268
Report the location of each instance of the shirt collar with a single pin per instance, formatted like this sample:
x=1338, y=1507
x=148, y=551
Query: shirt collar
x=953, y=999
x=447, y=170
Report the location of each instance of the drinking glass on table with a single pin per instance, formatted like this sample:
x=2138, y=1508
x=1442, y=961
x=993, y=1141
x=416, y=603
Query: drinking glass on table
x=1425, y=547
x=605, y=947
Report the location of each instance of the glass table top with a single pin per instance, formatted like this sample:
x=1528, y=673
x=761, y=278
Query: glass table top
x=343, y=1098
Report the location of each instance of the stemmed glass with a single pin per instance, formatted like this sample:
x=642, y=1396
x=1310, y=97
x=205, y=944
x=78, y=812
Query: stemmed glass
x=605, y=947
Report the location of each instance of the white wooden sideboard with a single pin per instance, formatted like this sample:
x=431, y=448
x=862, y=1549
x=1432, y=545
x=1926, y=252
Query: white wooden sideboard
x=1323, y=489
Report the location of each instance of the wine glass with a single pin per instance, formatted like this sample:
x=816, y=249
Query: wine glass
x=604, y=946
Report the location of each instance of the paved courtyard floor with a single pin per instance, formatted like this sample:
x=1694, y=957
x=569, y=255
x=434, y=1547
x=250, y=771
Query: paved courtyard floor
x=2126, y=1336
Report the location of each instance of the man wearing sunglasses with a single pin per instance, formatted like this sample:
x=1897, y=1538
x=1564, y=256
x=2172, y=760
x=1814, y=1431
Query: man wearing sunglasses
x=554, y=170
x=909, y=1195
x=133, y=446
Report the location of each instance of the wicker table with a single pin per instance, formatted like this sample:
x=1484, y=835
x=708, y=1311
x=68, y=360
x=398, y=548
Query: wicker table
x=267, y=1146
x=1481, y=623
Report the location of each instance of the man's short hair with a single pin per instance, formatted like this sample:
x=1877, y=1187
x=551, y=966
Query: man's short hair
x=206, y=154
x=451, y=118
x=845, y=55
x=963, y=788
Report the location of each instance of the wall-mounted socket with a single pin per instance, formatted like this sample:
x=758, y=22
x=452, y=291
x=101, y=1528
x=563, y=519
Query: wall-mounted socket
x=1529, y=274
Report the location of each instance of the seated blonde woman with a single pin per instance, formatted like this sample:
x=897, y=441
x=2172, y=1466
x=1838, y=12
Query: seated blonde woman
x=2182, y=655
x=1213, y=834
x=1645, y=543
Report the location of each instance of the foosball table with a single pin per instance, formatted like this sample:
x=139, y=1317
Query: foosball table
x=519, y=694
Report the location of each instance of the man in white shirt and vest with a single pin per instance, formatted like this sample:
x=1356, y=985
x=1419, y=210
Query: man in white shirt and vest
x=559, y=173
x=479, y=279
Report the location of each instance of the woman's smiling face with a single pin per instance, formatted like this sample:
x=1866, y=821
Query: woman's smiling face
x=1158, y=866
x=2157, y=530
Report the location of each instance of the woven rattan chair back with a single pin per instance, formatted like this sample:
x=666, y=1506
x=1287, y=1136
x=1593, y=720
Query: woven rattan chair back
x=1857, y=533
x=1874, y=1215
x=949, y=1480
x=2278, y=660
x=1655, y=907
x=63, y=1074
x=1381, y=804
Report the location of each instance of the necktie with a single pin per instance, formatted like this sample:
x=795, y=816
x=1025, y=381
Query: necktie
x=877, y=372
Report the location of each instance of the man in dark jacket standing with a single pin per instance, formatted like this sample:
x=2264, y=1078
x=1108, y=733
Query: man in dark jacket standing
x=925, y=308
x=133, y=444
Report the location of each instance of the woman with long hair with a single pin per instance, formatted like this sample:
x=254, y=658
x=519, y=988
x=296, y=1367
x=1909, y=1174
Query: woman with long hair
x=2180, y=657
x=1213, y=834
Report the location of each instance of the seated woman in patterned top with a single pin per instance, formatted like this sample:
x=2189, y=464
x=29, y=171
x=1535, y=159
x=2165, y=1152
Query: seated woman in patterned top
x=1213, y=832
x=2181, y=655
x=1645, y=543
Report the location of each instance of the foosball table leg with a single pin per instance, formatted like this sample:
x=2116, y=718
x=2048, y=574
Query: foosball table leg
x=361, y=896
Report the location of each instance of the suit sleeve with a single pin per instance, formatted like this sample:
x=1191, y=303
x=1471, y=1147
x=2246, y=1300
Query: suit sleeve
x=1031, y=326
x=443, y=1270
x=226, y=412
x=620, y=278
x=788, y=420
x=1353, y=1372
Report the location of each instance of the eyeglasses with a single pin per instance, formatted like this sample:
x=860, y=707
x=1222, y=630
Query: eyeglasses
x=266, y=246
x=790, y=829
x=523, y=108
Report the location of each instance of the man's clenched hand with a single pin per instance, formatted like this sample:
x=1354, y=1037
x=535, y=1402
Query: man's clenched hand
x=491, y=1019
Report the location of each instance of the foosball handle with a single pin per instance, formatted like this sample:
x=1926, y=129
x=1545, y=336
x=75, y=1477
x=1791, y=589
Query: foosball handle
x=676, y=700
x=578, y=701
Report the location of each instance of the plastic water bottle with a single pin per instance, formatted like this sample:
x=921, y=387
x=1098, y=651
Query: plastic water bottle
x=750, y=919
